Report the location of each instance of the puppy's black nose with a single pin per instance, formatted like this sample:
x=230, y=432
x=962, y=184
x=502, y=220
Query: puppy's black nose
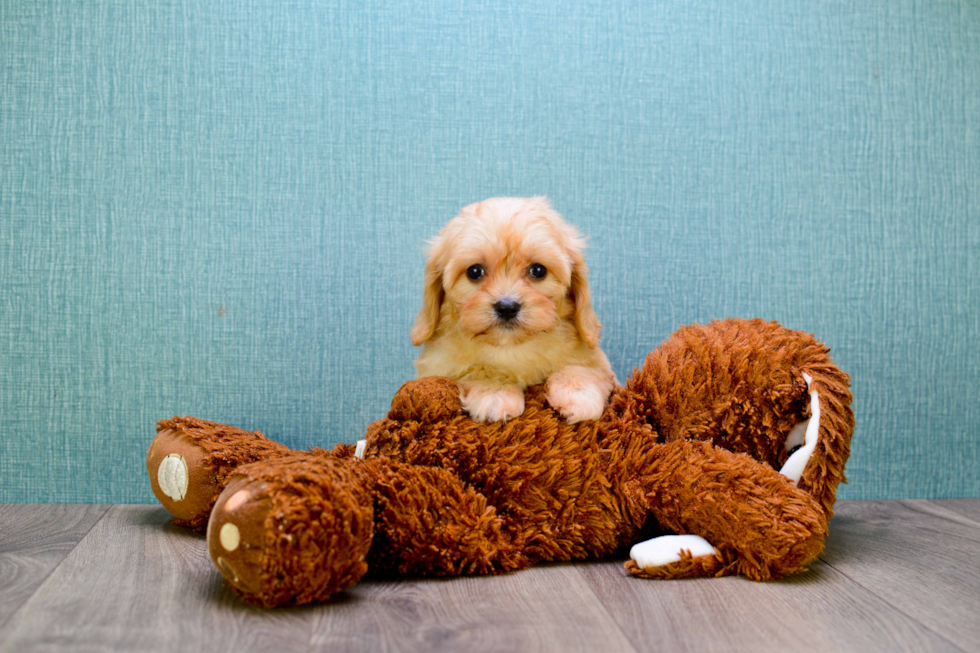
x=507, y=309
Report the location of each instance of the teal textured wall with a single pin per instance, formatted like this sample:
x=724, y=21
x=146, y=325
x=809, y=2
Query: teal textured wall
x=219, y=209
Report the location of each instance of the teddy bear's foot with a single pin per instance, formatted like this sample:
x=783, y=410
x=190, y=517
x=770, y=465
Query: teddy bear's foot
x=190, y=461
x=236, y=540
x=675, y=556
x=180, y=476
x=291, y=531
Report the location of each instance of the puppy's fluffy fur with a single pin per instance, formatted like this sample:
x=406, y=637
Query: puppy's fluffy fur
x=554, y=336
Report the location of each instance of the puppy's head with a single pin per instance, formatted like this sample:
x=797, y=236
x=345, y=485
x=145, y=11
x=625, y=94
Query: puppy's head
x=504, y=270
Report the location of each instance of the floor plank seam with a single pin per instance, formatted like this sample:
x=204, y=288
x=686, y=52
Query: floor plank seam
x=937, y=502
x=12, y=615
x=891, y=605
x=606, y=610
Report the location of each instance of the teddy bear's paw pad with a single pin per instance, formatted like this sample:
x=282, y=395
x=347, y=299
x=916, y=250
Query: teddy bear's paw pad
x=178, y=475
x=172, y=476
x=673, y=556
x=236, y=533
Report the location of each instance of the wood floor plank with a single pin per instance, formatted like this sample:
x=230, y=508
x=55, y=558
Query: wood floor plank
x=969, y=508
x=820, y=610
x=34, y=539
x=546, y=608
x=898, y=576
x=135, y=583
x=919, y=556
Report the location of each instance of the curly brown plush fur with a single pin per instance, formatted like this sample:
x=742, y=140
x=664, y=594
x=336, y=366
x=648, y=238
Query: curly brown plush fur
x=692, y=444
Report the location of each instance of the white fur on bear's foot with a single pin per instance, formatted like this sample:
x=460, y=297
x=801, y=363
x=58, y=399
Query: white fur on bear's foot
x=666, y=549
x=810, y=430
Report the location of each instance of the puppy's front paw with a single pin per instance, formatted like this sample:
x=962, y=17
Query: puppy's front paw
x=577, y=405
x=579, y=393
x=492, y=403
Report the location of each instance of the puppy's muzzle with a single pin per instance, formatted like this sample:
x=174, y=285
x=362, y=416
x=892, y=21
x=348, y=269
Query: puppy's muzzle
x=507, y=309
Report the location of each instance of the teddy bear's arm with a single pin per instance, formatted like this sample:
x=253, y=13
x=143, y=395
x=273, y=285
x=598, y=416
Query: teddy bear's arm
x=428, y=521
x=757, y=522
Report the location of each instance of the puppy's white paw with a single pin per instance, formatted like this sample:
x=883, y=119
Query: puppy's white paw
x=577, y=394
x=492, y=404
x=578, y=405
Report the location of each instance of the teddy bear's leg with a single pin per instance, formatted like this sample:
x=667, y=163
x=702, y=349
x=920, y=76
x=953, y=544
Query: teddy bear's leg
x=749, y=518
x=298, y=530
x=292, y=530
x=190, y=460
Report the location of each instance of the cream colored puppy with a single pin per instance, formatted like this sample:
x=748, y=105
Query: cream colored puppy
x=507, y=305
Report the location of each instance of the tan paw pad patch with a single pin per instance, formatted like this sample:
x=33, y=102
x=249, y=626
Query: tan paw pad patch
x=172, y=475
x=230, y=537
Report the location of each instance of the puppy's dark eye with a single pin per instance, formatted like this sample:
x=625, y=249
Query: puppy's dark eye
x=475, y=272
x=537, y=271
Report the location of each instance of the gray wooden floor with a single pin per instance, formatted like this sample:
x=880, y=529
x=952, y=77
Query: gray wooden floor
x=896, y=576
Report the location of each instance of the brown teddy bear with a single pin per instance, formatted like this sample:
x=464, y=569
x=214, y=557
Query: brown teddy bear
x=732, y=437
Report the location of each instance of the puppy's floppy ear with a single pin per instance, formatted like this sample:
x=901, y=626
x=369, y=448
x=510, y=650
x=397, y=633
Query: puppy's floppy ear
x=586, y=321
x=432, y=295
